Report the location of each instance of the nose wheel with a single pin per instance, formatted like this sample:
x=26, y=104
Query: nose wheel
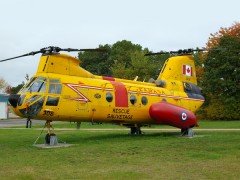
x=28, y=123
x=50, y=138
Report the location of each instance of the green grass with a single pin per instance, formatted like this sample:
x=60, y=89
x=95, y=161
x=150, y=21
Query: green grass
x=203, y=124
x=219, y=124
x=117, y=155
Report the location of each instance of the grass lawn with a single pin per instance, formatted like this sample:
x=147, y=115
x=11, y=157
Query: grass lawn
x=203, y=124
x=118, y=155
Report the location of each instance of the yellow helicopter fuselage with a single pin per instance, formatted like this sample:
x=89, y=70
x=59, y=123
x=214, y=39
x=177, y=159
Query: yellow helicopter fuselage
x=63, y=91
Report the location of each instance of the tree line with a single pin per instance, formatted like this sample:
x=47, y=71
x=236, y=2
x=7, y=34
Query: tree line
x=123, y=59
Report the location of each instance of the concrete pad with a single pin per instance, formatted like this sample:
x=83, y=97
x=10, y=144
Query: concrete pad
x=194, y=136
x=53, y=146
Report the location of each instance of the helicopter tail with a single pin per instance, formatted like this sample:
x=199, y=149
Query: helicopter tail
x=179, y=68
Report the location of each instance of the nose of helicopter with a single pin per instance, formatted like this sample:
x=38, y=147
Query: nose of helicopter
x=13, y=99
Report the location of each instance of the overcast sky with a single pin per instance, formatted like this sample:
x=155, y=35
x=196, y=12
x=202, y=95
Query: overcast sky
x=28, y=25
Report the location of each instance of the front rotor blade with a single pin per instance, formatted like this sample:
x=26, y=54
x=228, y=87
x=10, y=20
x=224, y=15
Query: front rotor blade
x=52, y=49
x=28, y=54
x=89, y=50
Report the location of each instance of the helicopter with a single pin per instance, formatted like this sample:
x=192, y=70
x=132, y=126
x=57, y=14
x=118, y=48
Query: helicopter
x=61, y=90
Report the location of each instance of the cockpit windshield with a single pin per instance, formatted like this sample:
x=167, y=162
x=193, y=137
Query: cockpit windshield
x=36, y=84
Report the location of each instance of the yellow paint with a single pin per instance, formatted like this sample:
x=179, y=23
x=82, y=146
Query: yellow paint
x=83, y=95
x=173, y=67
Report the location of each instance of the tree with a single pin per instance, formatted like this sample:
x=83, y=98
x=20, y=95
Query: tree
x=119, y=70
x=122, y=54
x=199, y=58
x=3, y=84
x=117, y=62
x=121, y=51
x=143, y=67
x=213, y=42
x=221, y=54
x=222, y=79
x=157, y=62
x=96, y=62
x=138, y=66
x=123, y=60
x=233, y=31
x=14, y=90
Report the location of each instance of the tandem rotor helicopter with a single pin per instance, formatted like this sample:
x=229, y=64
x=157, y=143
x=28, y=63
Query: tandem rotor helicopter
x=63, y=91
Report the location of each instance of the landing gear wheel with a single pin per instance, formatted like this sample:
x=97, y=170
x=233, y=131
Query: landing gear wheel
x=135, y=130
x=47, y=139
x=51, y=139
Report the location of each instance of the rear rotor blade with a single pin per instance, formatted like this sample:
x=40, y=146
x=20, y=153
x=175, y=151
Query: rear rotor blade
x=180, y=52
x=151, y=54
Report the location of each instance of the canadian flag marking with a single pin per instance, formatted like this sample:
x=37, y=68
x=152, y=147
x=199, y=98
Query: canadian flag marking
x=187, y=70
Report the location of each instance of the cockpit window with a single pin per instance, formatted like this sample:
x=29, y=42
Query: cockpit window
x=39, y=85
x=43, y=88
x=36, y=84
x=28, y=84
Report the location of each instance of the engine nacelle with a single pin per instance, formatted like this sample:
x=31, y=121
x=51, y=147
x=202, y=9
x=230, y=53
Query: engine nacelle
x=173, y=115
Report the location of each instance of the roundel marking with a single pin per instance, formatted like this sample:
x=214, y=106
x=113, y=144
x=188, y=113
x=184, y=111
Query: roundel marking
x=184, y=116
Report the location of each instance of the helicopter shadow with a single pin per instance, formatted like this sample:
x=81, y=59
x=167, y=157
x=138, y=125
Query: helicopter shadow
x=126, y=136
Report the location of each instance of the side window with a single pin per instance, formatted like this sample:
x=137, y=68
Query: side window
x=133, y=99
x=55, y=87
x=52, y=101
x=144, y=100
x=51, y=89
x=58, y=88
x=109, y=97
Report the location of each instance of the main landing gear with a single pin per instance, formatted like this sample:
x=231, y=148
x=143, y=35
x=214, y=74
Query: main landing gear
x=188, y=132
x=135, y=130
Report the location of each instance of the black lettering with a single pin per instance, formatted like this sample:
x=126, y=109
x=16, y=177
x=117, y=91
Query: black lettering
x=121, y=111
x=125, y=116
x=48, y=113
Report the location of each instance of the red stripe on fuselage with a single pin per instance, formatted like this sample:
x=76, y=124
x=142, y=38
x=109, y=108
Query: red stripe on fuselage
x=108, y=78
x=121, y=95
